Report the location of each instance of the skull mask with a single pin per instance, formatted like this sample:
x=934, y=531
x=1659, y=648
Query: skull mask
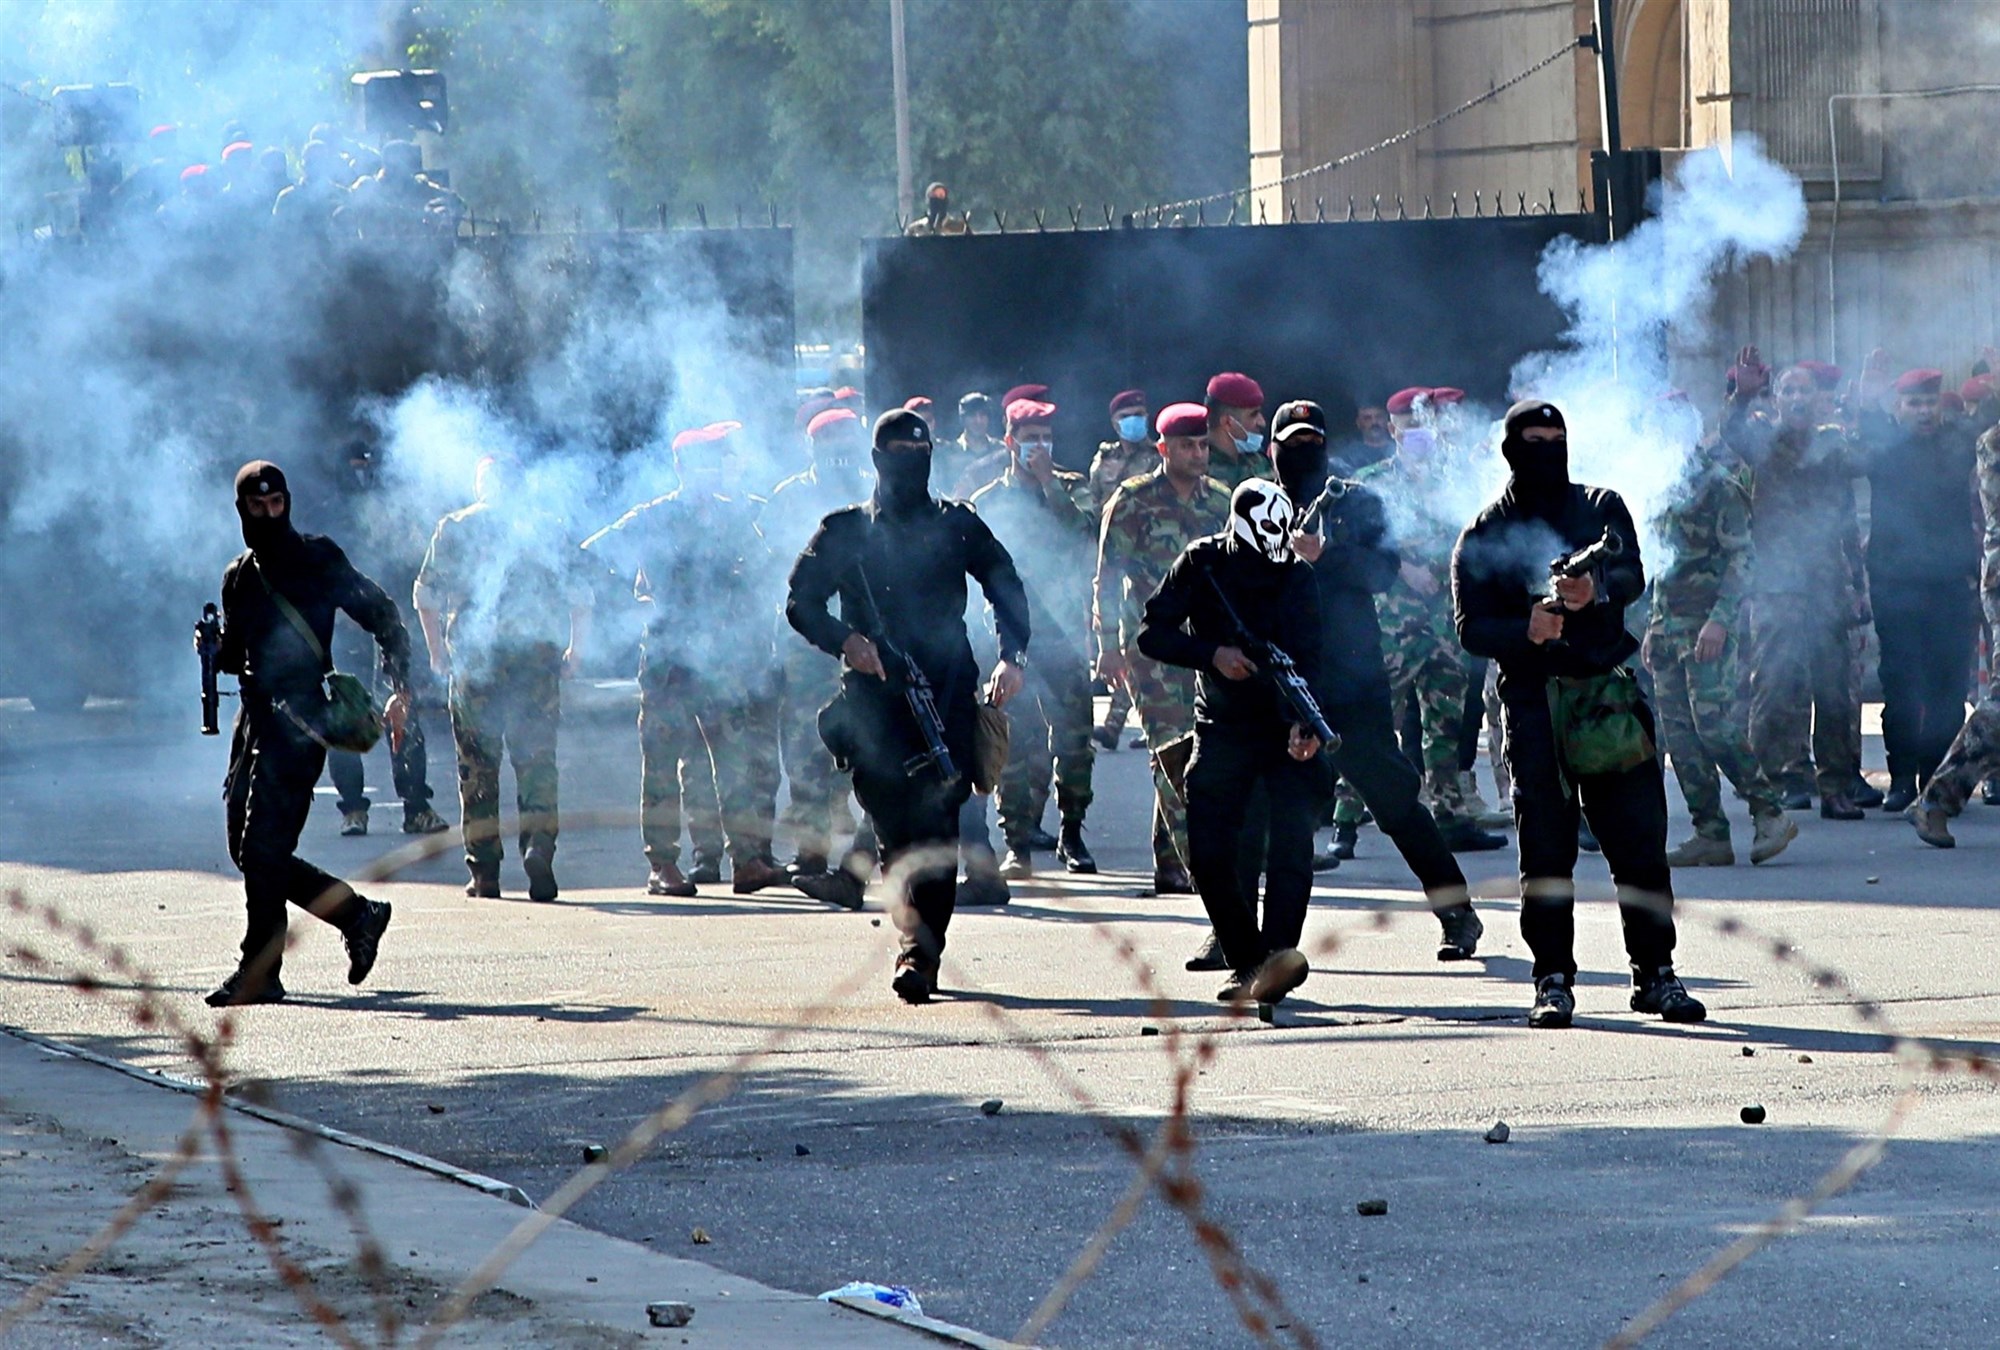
x=1260, y=518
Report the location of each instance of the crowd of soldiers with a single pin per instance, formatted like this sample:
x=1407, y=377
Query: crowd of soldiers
x=1201, y=539
x=338, y=187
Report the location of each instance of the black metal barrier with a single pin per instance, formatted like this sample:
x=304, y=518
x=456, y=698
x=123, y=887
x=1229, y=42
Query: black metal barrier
x=1344, y=313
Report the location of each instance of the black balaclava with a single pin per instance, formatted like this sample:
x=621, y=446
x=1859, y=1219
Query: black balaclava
x=1540, y=468
x=902, y=479
x=271, y=538
x=1302, y=468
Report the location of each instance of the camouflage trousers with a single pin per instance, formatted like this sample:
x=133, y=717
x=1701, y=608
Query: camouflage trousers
x=1974, y=756
x=1120, y=710
x=1048, y=738
x=1705, y=726
x=1163, y=696
x=1803, y=725
x=688, y=728
x=1437, y=676
x=818, y=789
x=511, y=704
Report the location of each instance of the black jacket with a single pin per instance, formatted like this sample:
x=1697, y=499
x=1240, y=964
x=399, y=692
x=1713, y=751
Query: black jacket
x=1356, y=564
x=1923, y=514
x=916, y=566
x=1185, y=624
x=262, y=646
x=1500, y=569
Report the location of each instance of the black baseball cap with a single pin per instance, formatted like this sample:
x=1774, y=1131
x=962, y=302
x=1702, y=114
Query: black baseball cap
x=900, y=424
x=1297, y=416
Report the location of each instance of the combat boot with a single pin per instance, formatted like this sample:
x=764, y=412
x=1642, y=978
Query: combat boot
x=1345, y=836
x=1172, y=880
x=1865, y=794
x=1555, y=1004
x=1989, y=792
x=1019, y=864
x=1661, y=991
x=485, y=881
x=1106, y=738
x=835, y=886
x=707, y=870
x=1276, y=976
x=364, y=938
x=1463, y=835
x=1774, y=833
x=666, y=879
x=354, y=824
x=1462, y=929
x=1902, y=791
x=1477, y=807
x=541, y=870
x=239, y=990
x=1932, y=824
x=806, y=864
x=1796, y=799
x=1701, y=851
x=1839, y=806
x=423, y=820
x=1075, y=854
x=1040, y=840
x=916, y=978
x=1328, y=861
x=754, y=874
x=1209, y=956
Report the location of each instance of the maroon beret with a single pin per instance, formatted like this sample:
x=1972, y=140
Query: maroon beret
x=193, y=171
x=1824, y=373
x=828, y=419
x=1444, y=393
x=708, y=435
x=1976, y=390
x=1127, y=398
x=1182, y=419
x=1403, y=400
x=1027, y=412
x=918, y=404
x=1020, y=391
x=1922, y=380
x=812, y=408
x=1233, y=389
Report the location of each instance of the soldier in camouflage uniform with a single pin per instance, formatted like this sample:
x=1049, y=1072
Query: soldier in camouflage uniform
x=1035, y=510
x=1147, y=523
x=1420, y=650
x=1806, y=585
x=1975, y=751
x=1236, y=426
x=1691, y=649
x=1126, y=454
x=810, y=677
x=495, y=579
x=974, y=457
x=708, y=677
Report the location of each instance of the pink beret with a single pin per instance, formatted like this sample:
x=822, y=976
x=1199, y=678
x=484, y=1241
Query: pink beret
x=1020, y=391
x=828, y=420
x=1922, y=380
x=1127, y=398
x=1825, y=374
x=1403, y=400
x=708, y=435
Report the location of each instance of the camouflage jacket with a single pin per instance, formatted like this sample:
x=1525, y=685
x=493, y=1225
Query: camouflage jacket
x=502, y=578
x=1146, y=526
x=1229, y=468
x=1705, y=536
x=959, y=469
x=1421, y=539
x=1989, y=504
x=1051, y=535
x=703, y=572
x=1804, y=527
x=1114, y=462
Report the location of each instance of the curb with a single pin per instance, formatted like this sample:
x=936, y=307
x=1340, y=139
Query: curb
x=947, y=1332
x=502, y=1190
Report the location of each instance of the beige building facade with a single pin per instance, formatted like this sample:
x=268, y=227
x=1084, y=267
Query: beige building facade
x=1885, y=109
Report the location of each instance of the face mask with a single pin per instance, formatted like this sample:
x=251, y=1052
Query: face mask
x=1540, y=468
x=267, y=536
x=1250, y=444
x=902, y=479
x=1417, y=444
x=1260, y=518
x=1132, y=427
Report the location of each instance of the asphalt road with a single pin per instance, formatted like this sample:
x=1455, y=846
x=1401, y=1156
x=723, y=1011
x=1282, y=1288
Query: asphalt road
x=505, y=1036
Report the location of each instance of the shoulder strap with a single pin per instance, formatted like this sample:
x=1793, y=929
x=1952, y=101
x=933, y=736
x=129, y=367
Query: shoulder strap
x=298, y=620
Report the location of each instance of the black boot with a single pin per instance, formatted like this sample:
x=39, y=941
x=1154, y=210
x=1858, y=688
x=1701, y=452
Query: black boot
x=1462, y=929
x=1040, y=840
x=1661, y=991
x=1345, y=836
x=239, y=989
x=707, y=870
x=1075, y=854
x=1463, y=835
x=541, y=870
x=364, y=939
x=1902, y=791
x=1864, y=793
x=1209, y=956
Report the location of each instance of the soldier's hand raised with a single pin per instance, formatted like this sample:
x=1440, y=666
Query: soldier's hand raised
x=860, y=655
x=1232, y=664
x=1308, y=546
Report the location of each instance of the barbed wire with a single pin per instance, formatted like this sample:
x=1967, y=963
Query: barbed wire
x=1164, y=1163
x=1573, y=45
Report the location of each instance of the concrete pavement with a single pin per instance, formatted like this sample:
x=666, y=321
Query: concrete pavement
x=502, y=1037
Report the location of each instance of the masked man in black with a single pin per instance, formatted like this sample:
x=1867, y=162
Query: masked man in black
x=1342, y=531
x=1569, y=649
x=1244, y=732
x=898, y=563
x=278, y=603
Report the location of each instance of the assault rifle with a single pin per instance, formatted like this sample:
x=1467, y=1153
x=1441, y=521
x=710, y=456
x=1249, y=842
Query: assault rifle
x=904, y=673
x=1272, y=660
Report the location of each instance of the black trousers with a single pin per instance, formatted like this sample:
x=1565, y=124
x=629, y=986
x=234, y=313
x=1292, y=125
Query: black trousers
x=272, y=769
x=409, y=770
x=1375, y=765
x=1927, y=635
x=1628, y=814
x=1228, y=767
x=1475, y=713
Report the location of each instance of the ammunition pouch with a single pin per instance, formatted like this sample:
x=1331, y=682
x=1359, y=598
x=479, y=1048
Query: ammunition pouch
x=1598, y=722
